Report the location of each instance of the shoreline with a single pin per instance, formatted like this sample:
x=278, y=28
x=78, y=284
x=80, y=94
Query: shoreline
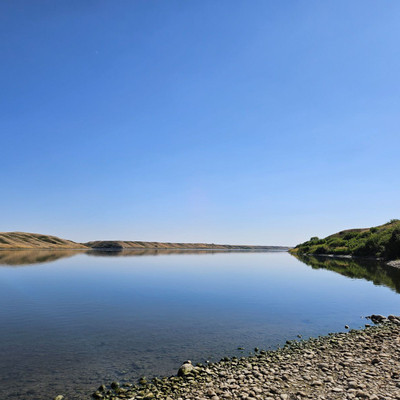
x=358, y=364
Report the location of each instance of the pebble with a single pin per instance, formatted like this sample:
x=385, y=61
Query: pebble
x=358, y=364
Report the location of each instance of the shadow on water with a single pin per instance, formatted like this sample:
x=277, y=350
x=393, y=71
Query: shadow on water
x=371, y=270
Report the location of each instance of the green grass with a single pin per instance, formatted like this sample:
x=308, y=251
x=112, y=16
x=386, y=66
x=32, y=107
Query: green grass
x=380, y=241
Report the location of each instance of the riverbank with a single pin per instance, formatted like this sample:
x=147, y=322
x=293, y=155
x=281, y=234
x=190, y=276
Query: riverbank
x=380, y=242
x=359, y=364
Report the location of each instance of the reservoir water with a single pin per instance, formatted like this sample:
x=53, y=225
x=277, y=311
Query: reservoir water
x=70, y=321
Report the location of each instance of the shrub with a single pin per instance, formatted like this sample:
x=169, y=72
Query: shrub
x=365, y=234
x=335, y=242
x=320, y=249
x=392, y=248
x=340, y=250
x=350, y=235
x=370, y=247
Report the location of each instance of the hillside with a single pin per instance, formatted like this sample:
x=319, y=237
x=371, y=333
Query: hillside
x=23, y=240
x=118, y=244
x=379, y=242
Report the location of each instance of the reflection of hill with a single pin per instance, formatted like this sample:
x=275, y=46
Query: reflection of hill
x=30, y=257
x=370, y=270
x=155, y=252
x=27, y=257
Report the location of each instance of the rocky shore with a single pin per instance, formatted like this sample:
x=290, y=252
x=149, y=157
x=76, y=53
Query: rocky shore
x=358, y=364
x=394, y=263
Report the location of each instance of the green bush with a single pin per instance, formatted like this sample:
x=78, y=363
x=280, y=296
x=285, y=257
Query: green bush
x=382, y=241
x=350, y=235
x=335, y=242
x=320, y=249
x=392, y=247
x=340, y=250
x=365, y=234
x=370, y=248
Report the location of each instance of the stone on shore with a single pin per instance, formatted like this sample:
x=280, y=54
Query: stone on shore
x=186, y=368
x=358, y=364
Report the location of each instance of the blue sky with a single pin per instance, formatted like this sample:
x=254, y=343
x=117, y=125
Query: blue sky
x=257, y=122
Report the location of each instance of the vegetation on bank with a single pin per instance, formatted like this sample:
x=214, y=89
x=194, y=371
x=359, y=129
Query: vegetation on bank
x=380, y=242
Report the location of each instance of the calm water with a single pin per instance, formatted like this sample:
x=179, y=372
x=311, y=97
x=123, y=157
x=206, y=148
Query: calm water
x=71, y=321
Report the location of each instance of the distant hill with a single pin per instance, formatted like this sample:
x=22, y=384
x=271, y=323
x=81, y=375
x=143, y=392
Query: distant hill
x=118, y=244
x=381, y=241
x=23, y=240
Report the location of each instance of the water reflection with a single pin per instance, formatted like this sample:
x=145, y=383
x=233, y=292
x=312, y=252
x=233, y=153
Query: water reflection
x=88, y=319
x=371, y=270
x=31, y=257
x=19, y=258
x=161, y=252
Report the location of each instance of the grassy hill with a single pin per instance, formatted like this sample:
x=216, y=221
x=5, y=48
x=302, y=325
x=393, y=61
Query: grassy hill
x=379, y=241
x=23, y=240
x=120, y=244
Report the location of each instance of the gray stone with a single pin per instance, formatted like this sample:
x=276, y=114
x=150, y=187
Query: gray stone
x=186, y=368
x=114, y=385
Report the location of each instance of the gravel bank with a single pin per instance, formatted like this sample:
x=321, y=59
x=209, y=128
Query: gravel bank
x=359, y=364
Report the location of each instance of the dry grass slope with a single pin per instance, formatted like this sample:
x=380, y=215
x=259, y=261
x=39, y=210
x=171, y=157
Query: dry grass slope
x=23, y=240
x=119, y=244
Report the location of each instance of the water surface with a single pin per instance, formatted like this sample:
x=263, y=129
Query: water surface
x=70, y=321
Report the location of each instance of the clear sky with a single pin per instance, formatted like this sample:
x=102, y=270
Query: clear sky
x=258, y=122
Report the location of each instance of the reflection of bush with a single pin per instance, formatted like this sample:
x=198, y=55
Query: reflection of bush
x=381, y=241
x=370, y=270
